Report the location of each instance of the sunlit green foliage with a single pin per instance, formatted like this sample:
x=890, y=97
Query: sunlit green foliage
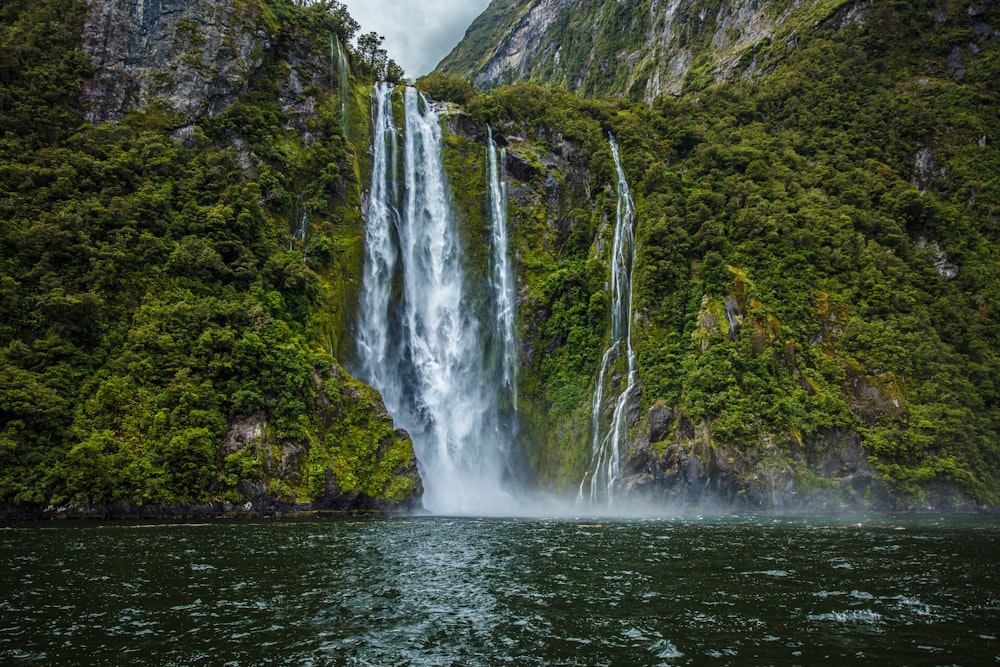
x=840, y=209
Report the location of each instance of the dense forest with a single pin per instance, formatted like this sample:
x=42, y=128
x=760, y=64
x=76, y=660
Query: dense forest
x=816, y=271
x=169, y=324
x=815, y=285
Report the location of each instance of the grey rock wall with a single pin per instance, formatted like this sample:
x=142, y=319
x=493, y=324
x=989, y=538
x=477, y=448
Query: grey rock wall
x=194, y=56
x=634, y=48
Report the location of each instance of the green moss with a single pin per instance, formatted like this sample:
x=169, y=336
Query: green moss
x=151, y=299
x=465, y=165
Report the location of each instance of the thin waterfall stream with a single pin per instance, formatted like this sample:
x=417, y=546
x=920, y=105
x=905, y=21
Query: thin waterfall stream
x=419, y=337
x=598, y=484
x=343, y=76
x=501, y=273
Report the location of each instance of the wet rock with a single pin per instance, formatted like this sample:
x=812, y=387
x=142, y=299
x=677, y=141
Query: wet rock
x=659, y=418
x=829, y=472
x=692, y=469
x=520, y=169
x=291, y=461
x=463, y=125
x=927, y=169
x=871, y=399
x=956, y=67
x=733, y=317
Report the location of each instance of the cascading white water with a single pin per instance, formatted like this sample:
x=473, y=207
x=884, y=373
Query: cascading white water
x=501, y=274
x=597, y=485
x=343, y=74
x=381, y=253
x=420, y=343
x=300, y=224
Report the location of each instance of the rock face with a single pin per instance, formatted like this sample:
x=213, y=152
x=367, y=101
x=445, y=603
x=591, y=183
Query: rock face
x=636, y=48
x=194, y=56
x=194, y=59
x=526, y=44
x=680, y=454
x=676, y=462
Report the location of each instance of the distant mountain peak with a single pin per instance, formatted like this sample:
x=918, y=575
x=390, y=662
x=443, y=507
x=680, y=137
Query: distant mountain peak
x=633, y=48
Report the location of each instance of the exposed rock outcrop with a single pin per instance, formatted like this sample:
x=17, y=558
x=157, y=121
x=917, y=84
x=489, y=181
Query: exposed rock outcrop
x=638, y=48
x=674, y=461
x=527, y=43
x=194, y=56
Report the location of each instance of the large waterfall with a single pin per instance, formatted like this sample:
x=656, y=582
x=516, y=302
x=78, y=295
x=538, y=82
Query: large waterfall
x=597, y=485
x=420, y=341
x=379, y=361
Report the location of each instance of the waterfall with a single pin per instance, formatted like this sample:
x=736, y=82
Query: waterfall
x=380, y=250
x=300, y=224
x=501, y=275
x=343, y=75
x=419, y=339
x=606, y=443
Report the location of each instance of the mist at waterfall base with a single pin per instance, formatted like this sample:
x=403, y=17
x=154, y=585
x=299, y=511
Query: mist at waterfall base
x=915, y=590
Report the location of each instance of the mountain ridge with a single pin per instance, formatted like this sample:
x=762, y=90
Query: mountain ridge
x=635, y=48
x=806, y=241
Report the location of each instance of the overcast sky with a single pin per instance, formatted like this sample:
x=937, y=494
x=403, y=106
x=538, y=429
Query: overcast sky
x=418, y=33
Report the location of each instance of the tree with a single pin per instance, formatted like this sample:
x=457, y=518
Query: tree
x=393, y=72
x=348, y=26
x=370, y=48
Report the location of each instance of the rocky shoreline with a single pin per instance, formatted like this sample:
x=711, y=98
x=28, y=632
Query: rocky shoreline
x=350, y=505
x=269, y=510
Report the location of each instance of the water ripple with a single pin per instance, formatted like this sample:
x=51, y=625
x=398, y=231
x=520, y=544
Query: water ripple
x=420, y=591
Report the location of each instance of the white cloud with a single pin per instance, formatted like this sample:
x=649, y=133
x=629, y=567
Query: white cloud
x=418, y=33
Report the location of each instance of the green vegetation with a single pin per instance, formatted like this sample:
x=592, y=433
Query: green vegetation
x=160, y=296
x=486, y=31
x=635, y=49
x=816, y=256
x=844, y=207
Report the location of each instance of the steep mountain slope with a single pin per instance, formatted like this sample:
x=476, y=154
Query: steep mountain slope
x=635, y=48
x=815, y=297
x=177, y=281
x=816, y=313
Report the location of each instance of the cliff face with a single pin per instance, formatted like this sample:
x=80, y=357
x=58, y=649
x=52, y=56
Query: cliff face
x=195, y=57
x=634, y=48
x=742, y=402
x=562, y=232
x=194, y=365
x=813, y=320
x=527, y=42
x=815, y=287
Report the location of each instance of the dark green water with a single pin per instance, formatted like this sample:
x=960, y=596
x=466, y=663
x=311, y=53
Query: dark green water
x=435, y=591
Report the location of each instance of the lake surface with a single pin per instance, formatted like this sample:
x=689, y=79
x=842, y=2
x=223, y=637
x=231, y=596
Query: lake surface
x=439, y=591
